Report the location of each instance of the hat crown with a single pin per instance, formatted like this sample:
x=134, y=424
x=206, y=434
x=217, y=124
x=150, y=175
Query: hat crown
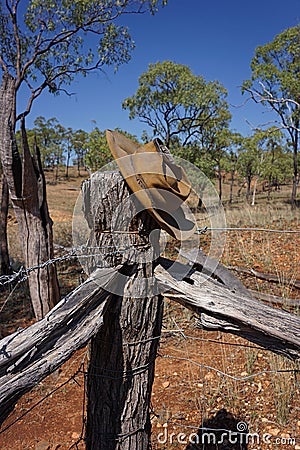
x=159, y=184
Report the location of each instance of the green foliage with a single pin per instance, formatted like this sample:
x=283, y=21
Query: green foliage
x=277, y=65
x=275, y=80
x=97, y=150
x=230, y=157
x=249, y=157
x=275, y=83
x=176, y=104
x=57, y=144
x=197, y=156
x=264, y=155
x=78, y=141
x=278, y=162
x=46, y=47
x=50, y=137
x=98, y=153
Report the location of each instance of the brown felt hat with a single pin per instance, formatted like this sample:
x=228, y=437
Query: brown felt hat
x=158, y=183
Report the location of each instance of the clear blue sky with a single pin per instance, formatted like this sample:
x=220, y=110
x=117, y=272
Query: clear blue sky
x=215, y=38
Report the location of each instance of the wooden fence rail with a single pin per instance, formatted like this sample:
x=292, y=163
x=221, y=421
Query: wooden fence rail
x=30, y=354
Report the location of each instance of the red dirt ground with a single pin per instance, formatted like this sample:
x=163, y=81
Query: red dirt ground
x=190, y=374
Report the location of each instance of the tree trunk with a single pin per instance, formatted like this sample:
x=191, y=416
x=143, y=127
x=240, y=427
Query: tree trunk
x=248, y=191
x=57, y=169
x=67, y=168
x=4, y=255
x=269, y=187
x=254, y=192
x=122, y=354
x=27, y=187
x=68, y=162
x=231, y=186
x=220, y=182
x=295, y=165
x=78, y=166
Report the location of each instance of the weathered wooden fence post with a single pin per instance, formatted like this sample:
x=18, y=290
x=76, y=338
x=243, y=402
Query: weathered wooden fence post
x=122, y=354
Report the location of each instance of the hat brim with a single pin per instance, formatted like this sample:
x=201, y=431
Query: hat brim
x=159, y=185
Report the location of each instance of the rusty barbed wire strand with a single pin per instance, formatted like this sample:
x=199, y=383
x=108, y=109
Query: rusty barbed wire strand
x=23, y=273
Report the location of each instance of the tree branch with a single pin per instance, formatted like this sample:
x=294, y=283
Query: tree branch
x=275, y=103
x=3, y=65
x=13, y=13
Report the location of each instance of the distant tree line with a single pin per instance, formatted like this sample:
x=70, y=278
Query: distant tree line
x=222, y=154
x=192, y=116
x=62, y=147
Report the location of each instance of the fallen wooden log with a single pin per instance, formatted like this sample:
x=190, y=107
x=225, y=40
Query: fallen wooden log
x=221, y=273
x=275, y=300
x=215, y=269
x=221, y=309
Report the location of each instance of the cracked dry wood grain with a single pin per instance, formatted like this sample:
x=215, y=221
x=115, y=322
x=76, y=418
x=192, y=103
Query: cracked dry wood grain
x=30, y=354
x=233, y=312
x=123, y=352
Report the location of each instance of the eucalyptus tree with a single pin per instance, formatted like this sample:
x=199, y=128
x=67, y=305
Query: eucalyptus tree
x=230, y=160
x=250, y=159
x=78, y=141
x=278, y=167
x=216, y=141
x=5, y=267
x=275, y=83
x=68, y=148
x=97, y=150
x=47, y=135
x=175, y=103
x=263, y=156
x=44, y=46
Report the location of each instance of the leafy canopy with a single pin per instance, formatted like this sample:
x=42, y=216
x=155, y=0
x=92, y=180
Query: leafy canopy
x=177, y=104
x=275, y=78
x=46, y=43
x=264, y=155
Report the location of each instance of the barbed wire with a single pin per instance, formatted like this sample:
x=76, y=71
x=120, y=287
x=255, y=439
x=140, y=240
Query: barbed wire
x=53, y=391
x=7, y=299
x=267, y=230
x=83, y=371
x=214, y=341
x=226, y=375
x=74, y=252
